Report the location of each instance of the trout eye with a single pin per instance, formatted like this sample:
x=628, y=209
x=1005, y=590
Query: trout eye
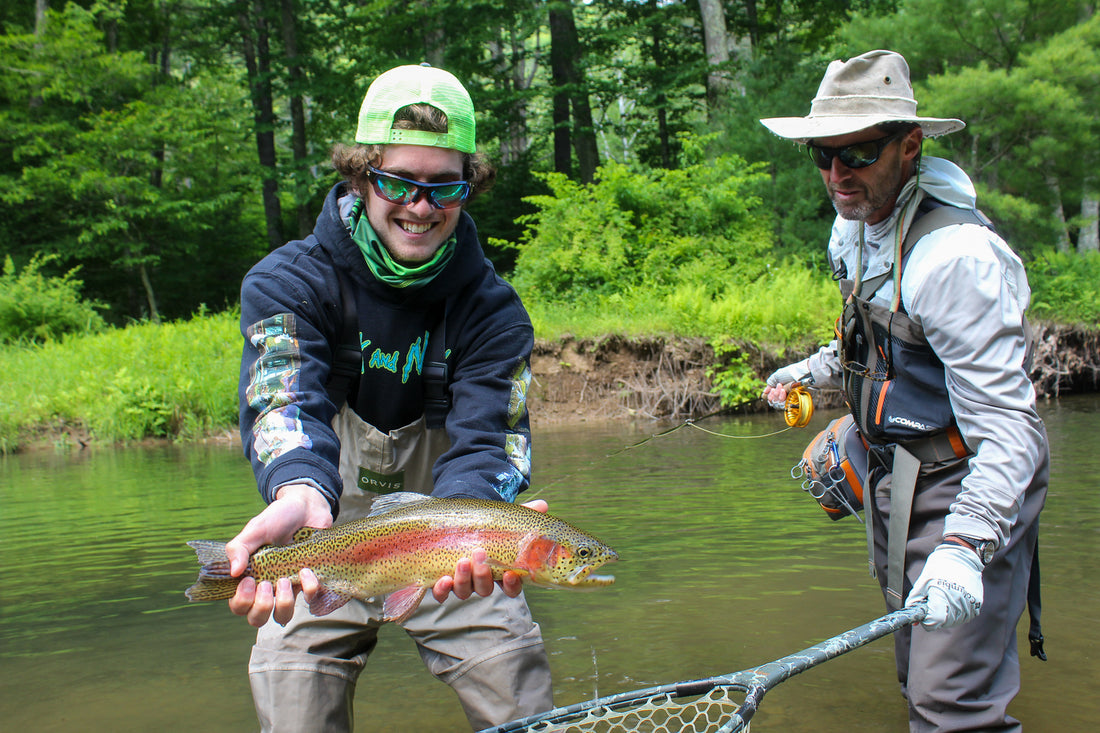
x=584, y=553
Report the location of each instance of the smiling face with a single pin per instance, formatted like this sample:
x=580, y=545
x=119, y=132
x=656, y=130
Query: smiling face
x=413, y=233
x=868, y=194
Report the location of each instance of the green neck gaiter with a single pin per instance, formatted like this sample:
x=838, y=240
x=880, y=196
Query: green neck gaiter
x=383, y=266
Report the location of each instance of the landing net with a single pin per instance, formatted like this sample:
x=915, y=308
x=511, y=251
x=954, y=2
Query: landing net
x=658, y=713
x=706, y=705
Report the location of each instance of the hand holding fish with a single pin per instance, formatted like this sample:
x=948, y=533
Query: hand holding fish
x=404, y=548
x=473, y=575
x=295, y=506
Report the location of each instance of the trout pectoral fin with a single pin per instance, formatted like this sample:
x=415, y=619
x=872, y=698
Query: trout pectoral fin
x=502, y=566
x=400, y=604
x=326, y=601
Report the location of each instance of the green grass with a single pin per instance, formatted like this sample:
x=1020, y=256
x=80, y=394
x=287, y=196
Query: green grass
x=174, y=380
x=789, y=305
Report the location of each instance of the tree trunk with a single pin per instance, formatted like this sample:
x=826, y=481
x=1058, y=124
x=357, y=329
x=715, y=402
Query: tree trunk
x=150, y=296
x=1063, y=243
x=40, y=8
x=298, y=142
x=513, y=78
x=657, y=52
x=163, y=60
x=1088, y=238
x=716, y=48
x=257, y=58
x=570, y=94
x=559, y=72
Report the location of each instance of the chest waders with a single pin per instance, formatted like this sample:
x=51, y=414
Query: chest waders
x=373, y=462
x=896, y=387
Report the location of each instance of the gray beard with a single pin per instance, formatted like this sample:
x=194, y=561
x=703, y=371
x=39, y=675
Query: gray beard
x=860, y=212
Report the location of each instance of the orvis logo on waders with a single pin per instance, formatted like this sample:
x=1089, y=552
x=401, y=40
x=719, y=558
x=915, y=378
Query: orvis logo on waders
x=381, y=483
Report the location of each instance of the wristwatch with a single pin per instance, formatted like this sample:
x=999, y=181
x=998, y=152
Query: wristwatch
x=984, y=548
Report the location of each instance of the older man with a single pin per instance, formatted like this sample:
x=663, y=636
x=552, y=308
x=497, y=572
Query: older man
x=932, y=354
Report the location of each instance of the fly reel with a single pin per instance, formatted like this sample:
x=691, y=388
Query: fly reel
x=798, y=407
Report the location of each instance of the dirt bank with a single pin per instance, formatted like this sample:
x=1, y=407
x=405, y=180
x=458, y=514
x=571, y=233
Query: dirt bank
x=666, y=378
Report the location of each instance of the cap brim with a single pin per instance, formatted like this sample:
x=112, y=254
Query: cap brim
x=804, y=129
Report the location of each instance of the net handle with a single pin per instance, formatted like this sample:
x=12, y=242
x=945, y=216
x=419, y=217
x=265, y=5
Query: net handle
x=753, y=682
x=759, y=680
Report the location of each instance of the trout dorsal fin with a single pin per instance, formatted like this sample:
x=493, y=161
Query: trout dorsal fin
x=392, y=502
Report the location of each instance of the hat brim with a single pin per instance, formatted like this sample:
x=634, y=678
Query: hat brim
x=804, y=129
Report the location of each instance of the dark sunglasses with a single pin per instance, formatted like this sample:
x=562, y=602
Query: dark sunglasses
x=405, y=191
x=856, y=155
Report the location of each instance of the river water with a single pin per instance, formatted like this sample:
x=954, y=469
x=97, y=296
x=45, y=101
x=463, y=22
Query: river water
x=725, y=565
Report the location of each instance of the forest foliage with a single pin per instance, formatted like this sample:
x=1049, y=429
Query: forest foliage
x=150, y=152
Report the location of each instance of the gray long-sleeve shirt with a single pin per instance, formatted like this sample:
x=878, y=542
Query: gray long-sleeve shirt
x=968, y=291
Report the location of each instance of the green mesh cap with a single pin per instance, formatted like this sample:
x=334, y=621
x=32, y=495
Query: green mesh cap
x=404, y=85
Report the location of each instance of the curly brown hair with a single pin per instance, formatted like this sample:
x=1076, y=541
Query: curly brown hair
x=352, y=161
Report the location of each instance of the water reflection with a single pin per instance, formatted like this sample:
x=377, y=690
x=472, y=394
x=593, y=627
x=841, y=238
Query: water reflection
x=726, y=564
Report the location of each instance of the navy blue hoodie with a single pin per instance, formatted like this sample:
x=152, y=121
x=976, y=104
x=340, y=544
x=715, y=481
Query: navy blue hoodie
x=290, y=318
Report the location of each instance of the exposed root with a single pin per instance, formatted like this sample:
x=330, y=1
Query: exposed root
x=1065, y=360
x=657, y=378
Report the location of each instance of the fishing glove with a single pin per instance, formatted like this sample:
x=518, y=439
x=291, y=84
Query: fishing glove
x=952, y=583
x=784, y=375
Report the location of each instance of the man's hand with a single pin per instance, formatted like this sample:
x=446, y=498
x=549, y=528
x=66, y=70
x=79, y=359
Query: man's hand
x=295, y=506
x=779, y=384
x=952, y=583
x=473, y=575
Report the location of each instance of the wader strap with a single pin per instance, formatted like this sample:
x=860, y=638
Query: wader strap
x=868, y=524
x=436, y=377
x=934, y=214
x=1035, y=609
x=903, y=484
x=347, y=357
x=945, y=446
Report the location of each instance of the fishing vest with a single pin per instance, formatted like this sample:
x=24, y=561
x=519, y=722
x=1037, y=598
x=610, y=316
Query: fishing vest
x=896, y=388
x=895, y=385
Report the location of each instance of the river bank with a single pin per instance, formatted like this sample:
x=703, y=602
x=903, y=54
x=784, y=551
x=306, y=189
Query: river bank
x=665, y=378
x=614, y=377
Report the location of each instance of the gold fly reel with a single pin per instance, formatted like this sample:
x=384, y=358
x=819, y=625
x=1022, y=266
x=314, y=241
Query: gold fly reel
x=798, y=408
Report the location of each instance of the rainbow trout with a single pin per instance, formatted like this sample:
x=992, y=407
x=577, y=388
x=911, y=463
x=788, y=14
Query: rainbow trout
x=406, y=543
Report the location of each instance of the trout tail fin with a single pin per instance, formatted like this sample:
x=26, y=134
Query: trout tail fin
x=214, y=582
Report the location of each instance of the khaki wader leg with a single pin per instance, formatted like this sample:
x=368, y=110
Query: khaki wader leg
x=303, y=675
x=488, y=650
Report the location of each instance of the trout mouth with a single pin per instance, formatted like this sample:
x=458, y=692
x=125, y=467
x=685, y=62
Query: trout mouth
x=583, y=577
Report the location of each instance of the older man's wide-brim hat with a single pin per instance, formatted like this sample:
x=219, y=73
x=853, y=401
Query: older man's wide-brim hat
x=864, y=91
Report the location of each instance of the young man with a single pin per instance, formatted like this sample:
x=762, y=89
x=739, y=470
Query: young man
x=932, y=355
x=394, y=266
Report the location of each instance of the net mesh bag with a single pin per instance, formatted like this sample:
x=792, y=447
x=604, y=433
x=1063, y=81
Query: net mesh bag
x=659, y=713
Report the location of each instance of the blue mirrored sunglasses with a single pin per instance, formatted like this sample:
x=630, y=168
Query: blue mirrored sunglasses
x=856, y=155
x=405, y=191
